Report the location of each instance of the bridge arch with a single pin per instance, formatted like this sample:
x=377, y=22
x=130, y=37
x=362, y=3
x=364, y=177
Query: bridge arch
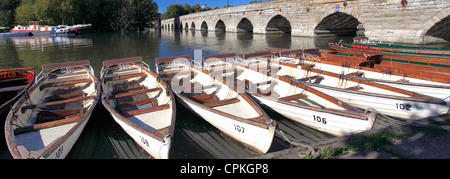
x=337, y=23
x=220, y=25
x=204, y=26
x=192, y=25
x=437, y=27
x=186, y=26
x=244, y=25
x=278, y=24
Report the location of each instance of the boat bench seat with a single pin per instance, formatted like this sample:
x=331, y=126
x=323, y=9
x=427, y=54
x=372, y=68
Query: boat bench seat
x=127, y=76
x=292, y=97
x=46, y=125
x=129, y=102
x=221, y=102
x=65, y=83
x=59, y=102
x=144, y=110
x=137, y=92
x=203, y=98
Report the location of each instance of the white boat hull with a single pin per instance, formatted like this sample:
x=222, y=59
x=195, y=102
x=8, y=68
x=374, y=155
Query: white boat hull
x=334, y=124
x=406, y=109
x=156, y=148
x=257, y=137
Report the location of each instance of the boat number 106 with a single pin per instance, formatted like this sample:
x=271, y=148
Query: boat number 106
x=320, y=119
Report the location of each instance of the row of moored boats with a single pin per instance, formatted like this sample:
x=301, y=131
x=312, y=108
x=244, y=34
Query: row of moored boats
x=339, y=96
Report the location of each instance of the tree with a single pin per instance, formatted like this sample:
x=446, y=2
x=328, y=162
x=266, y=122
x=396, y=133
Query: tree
x=7, y=12
x=196, y=8
x=174, y=10
x=217, y=7
x=207, y=8
x=187, y=8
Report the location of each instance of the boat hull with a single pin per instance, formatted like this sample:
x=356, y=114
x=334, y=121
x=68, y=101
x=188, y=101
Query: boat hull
x=334, y=124
x=397, y=107
x=156, y=148
x=259, y=138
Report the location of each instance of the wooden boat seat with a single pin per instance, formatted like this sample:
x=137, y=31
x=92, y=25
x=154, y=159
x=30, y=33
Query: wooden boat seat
x=65, y=83
x=203, y=98
x=293, y=97
x=144, y=110
x=127, y=76
x=125, y=85
x=64, y=96
x=132, y=93
x=46, y=125
x=60, y=102
x=221, y=102
x=60, y=112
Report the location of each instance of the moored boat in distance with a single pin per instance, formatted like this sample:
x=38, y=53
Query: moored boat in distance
x=13, y=83
x=62, y=30
x=48, y=119
x=209, y=96
x=140, y=103
x=295, y=100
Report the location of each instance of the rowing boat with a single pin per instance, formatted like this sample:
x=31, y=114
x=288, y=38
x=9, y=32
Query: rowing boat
x=210, y=97
x=13, y=83
x=297, y=101
x=365, y=94
x=365, y=44
x=435, y=87
x=442, y=61
x=140, y=103
x=48, y=119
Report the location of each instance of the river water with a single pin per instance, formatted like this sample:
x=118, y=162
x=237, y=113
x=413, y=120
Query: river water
x=193, y=138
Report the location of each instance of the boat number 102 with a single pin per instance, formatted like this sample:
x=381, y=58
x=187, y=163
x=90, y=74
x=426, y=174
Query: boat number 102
x=403, y=106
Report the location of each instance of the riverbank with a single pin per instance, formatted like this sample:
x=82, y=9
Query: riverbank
x=420, y=139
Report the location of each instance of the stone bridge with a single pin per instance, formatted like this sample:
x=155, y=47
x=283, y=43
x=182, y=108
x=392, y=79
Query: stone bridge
x=404, y=21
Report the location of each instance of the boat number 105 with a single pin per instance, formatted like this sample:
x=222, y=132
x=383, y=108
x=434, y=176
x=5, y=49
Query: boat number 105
x=320, y=119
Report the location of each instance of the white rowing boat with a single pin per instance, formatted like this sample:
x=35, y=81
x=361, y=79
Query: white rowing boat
x=225, y=108
x=425, y=85
x=140, y=103
x=365, y=94
x=298, y=102
x=47, y=121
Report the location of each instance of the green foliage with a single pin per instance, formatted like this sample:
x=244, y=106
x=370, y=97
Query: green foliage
x=376, y=140
x=104, y=15
x=196, y=8
x=174, y=10
x=7, y=12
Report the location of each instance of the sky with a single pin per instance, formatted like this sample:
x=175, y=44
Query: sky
x=163, y=4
